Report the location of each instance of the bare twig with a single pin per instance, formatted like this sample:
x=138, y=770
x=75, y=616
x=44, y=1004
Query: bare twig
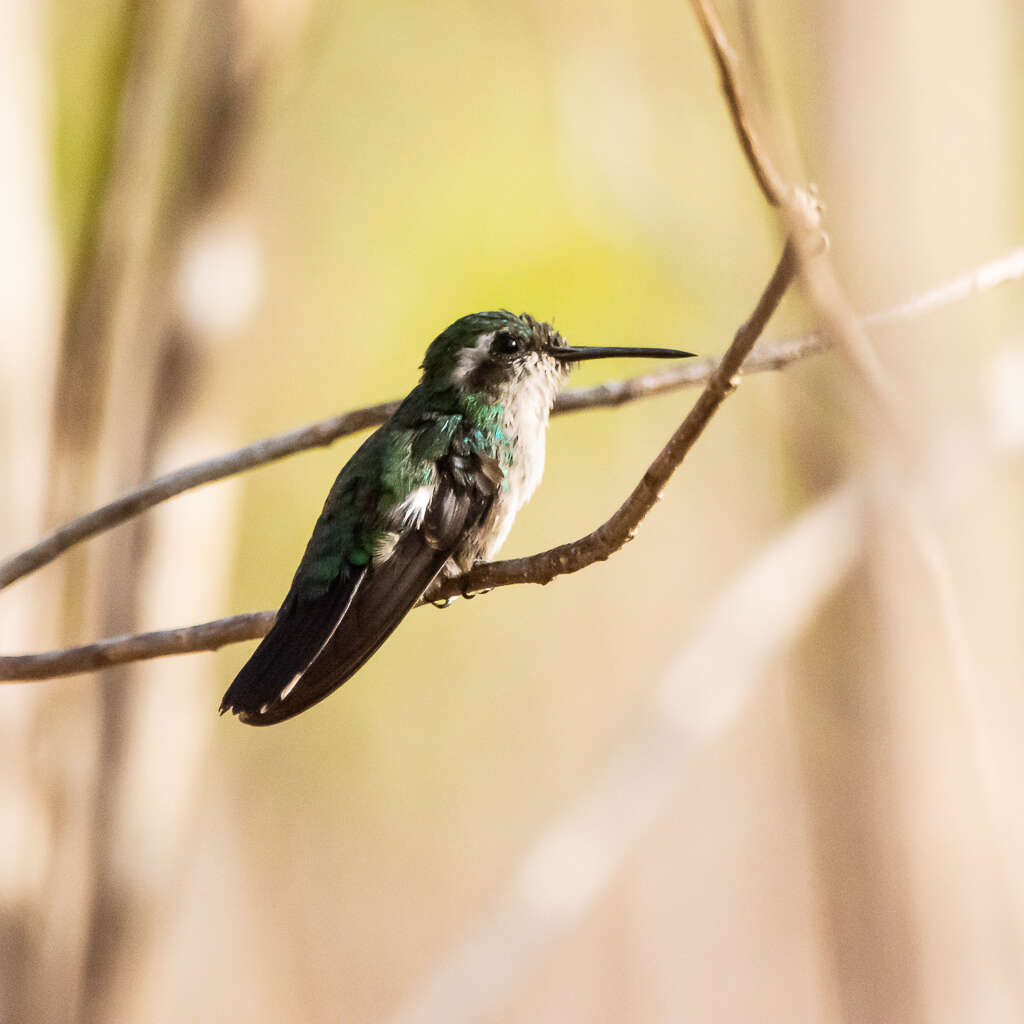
x=542, y=568
x=989, y=275
x=768, y=356
x=172, y=484
x=801, y=209
x=772, y=184
x=207, y=636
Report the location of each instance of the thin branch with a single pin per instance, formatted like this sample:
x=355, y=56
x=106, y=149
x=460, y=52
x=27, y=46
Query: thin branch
x=772, y=184
x=207, y=636
x=164, y=487
x=989, y=275
x=769, y=356
x=542, y=568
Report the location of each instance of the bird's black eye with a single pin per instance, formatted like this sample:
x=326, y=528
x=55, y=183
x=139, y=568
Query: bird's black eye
x=505, y=344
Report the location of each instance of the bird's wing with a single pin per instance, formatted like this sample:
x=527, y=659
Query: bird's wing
x=319, y=640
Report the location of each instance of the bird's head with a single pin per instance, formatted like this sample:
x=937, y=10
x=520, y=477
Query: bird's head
x=490, y=353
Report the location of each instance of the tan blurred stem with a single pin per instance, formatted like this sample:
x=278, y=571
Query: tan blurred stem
x=840, y=327
x=768, y=356
x=914, y=519
x=189, y=166
x=886, y=413
x=76, y=924
x=569, y=867
x=542, y=568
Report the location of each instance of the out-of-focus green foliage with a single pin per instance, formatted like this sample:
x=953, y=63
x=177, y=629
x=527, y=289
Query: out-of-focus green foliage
x=91, y=42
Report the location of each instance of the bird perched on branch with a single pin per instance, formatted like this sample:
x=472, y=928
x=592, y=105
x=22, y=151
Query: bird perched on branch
x=433, y=490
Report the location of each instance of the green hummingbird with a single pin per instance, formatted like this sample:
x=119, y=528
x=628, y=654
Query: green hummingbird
x=432, y=491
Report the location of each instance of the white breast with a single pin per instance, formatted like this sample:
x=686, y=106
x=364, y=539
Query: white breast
x=526, y=422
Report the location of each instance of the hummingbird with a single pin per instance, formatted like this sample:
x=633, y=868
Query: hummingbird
x=433, y=491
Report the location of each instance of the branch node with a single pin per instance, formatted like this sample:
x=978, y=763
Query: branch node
x=806, y=209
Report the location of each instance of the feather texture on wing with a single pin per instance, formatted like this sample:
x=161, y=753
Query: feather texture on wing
x=369, y=561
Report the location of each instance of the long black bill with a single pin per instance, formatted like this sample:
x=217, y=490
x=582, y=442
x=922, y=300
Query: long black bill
x=576, y=354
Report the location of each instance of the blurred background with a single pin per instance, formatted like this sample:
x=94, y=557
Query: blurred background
x=763, y=764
